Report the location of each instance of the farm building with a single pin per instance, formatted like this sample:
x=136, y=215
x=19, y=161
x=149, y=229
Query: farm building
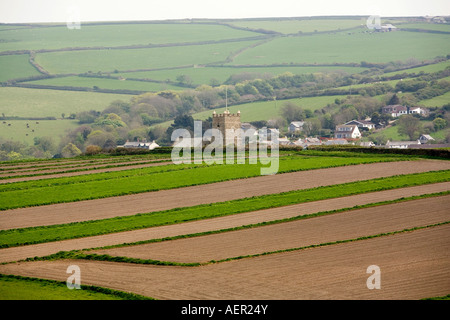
x=401, y=144
x=140, y=144
x=425, y=138
x=333, y=142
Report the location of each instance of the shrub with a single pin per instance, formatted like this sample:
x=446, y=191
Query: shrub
x=92, y=150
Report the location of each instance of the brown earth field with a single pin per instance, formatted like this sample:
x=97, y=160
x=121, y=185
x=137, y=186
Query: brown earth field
x=413, y=265
x=209, y=193
x=214, y=224
x=92, y=166
x=334, y=227
x=62, y=167
x=59, y=173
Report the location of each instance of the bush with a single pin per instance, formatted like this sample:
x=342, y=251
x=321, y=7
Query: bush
x=92, y=150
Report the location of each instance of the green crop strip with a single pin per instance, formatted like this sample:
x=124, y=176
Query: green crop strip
x=33, y=235
x=60, y=190
x=27, y=288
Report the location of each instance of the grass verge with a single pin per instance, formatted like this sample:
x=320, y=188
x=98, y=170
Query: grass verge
x=14, y=287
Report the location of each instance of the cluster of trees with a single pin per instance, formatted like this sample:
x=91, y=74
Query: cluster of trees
x=43, y=147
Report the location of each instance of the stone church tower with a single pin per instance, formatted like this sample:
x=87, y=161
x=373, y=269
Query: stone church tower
x=226, y=121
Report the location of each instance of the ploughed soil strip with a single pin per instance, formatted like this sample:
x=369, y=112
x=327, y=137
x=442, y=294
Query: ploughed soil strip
x=413, y=265
x=117, y=167
x=300, y=233
x=62, y=168
x=208, y=193
x=214, y=224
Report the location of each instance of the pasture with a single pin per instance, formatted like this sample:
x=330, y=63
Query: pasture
x=17, y=130
x=267, y=110
x=29, y=103
x=359, y=46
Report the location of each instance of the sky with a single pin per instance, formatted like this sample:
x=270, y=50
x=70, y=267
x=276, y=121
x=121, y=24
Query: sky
x=22, y=11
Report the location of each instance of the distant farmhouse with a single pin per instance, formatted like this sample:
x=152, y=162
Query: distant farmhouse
x=140, y=144
x=401, y=144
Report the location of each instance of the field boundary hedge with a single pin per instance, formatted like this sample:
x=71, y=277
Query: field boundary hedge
x=438, y=153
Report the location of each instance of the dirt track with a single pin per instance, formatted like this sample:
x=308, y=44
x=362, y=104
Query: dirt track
x=210, y=193
x=300, y=233
x=413, y=265
x=19, y=253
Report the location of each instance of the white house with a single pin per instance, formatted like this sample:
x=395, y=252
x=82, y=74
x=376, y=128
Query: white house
x=418, y=110
x=347, y=132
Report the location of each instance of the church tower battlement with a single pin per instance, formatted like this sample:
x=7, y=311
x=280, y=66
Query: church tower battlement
x=226, y=121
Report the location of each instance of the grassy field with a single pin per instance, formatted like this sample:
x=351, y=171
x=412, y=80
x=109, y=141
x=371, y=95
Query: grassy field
x=24, y=288
x=102, y=83
x=427, y=69
x=438, y=101
x=23, y=102
x=346, y=48
x=301, y=25
x=426, y=26
x=18, y=130
x=114, y=35
x=210, y=75
x=16, y=66
x=270, y=109
x=136, y=59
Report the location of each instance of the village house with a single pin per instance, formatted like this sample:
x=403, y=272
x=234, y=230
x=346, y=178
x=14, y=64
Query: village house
x=399, y=110
x=362, y=124
x=395, y=110
x=296, y=126
x=401, y=144
x=347, y=132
